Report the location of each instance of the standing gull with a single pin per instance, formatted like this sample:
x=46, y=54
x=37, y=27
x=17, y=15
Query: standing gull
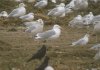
x=50, y=34
x=82, y=41
x=20, y=11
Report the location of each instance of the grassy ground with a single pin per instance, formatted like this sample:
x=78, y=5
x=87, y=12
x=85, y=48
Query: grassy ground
x=17, y=47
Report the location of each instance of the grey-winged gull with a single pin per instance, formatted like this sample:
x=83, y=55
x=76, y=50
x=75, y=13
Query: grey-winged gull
x=76, y=22
x=80, y=4
x=71, y=4
x=59, y=11
x=35, y=27
x=54, y=33
x=41, y=3
x=82, y=41
x=87, y=19
x=28, y=24
x=20, y=11
x=27, y=17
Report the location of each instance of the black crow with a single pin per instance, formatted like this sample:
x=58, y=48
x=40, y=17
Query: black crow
x=39, y=54
x=44, y=64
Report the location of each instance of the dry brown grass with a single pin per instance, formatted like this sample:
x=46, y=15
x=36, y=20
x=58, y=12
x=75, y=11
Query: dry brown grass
x=17, y=47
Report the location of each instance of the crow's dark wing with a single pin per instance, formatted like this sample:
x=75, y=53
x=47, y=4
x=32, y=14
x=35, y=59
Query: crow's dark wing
x=39, y=54
x=44, y=64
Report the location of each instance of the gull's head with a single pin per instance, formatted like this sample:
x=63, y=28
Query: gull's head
x=49, y=68
x=22, y=5
x=79, y=16
x=57, y=26
x=62, y=4
x=90, y=13
x=40, y=21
